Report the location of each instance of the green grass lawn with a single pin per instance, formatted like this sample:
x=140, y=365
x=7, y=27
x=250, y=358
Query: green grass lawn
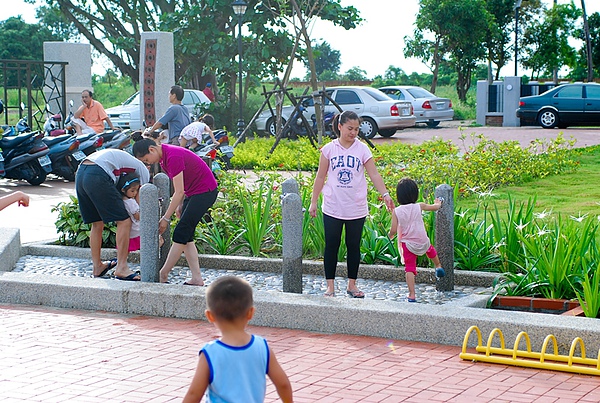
x=571, y=194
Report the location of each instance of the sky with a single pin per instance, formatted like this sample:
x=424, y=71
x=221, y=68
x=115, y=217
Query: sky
x=375, y=45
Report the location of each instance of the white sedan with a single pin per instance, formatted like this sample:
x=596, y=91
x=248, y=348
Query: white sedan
x=127, y=115
x=428, y=108
x=379, y=113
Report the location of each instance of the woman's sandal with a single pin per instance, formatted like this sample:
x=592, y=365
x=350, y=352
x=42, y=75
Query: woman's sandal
x=355, y=293
x=329, y=294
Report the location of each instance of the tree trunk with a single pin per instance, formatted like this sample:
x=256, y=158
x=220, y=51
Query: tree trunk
x=588, y=45
x=436, y=65
x=313, y=70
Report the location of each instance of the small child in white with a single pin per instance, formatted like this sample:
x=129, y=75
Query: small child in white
x=234, y=367
x=407, y=222
x=129, y=186
x=194, y=132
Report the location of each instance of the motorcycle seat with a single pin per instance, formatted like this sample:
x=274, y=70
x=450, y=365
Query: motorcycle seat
x=15, y=141
x=50, y=141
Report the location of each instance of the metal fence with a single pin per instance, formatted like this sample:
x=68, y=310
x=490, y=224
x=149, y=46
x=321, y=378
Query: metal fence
x=34, y=84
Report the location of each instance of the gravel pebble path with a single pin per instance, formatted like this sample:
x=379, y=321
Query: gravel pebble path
x=313, y=285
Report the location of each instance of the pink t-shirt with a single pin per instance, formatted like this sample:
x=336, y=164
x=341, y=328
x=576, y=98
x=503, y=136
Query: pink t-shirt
x=197, y=176
x=411, y=228
x=345, y=190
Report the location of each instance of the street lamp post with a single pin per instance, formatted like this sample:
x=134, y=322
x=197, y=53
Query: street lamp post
x=517, y=7
x=239, y=8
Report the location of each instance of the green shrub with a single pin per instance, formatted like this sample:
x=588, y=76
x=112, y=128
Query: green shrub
x=72, y=231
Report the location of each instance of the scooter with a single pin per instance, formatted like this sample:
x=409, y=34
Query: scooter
x=64, y=154
x=297, y=128
x=25, y=156
x=120, y=139
x=22, y=125
x=217, y=156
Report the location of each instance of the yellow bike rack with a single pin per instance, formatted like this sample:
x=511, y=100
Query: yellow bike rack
x=528, y=358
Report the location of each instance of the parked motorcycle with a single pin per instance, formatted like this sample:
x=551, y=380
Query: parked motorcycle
x=298, y=128
x=120, y=139
x=89, y=143
x=22, y=125
x=25, y=156
x=64, y=154
x=217, y=156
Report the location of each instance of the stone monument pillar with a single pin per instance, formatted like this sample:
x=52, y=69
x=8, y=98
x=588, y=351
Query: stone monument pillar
x=512, y=96
x=292, y=215
x=157, y=74
x=149, y=216
x=444, y=236
x=78, y=73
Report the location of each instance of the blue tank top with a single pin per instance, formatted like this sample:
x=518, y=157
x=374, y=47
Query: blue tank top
x=237, y=374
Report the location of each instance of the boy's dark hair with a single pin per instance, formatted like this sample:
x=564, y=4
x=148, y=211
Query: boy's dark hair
x=142, y=147
x=342, y=118
x=126, y=180
x=177, y=91
x=407, y=191
x=208, y=119
x=229, y=298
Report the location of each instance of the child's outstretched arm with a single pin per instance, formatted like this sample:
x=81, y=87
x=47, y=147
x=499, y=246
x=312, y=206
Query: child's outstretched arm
x=432, y=207
x=279, y=379
x=212, y=136
x=199, y=382
x=15, y=197
x=394, y=229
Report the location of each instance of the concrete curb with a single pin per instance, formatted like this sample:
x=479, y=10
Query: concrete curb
x=443, y=324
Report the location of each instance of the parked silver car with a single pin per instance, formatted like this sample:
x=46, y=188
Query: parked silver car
x=127, y=115
x=379, y=113
x=428, y=108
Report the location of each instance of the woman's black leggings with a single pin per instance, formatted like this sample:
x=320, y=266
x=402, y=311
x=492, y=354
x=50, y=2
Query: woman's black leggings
x=333, y=238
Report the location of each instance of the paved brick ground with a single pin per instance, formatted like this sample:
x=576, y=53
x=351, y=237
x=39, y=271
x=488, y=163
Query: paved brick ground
x=60, y=355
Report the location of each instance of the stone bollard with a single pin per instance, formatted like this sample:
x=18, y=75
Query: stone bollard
x=292, y=217
x=149, y=216
x=444, y=236
x=163, y=184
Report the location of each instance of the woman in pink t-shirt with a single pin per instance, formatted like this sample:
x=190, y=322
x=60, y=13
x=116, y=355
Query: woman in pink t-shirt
x=343, y=163
x=195, y=192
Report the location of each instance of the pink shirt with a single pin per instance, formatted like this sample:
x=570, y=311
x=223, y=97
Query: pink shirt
x=197, y=176
x=411, y=228
x=345, y=190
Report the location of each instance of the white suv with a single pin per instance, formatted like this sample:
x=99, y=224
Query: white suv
x=127, y=115
x=379, y=113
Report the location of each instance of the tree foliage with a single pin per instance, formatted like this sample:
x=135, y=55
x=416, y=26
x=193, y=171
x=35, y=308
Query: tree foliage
x=204, y=34
x=580, y=70
x=326, y=58
x=546, y=40
x=459, y=29
x=22, y=41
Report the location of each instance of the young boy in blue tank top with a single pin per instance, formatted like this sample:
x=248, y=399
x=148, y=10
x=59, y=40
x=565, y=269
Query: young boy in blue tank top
x=233, y=368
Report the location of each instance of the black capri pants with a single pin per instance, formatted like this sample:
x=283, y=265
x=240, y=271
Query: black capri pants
x=194, y=208
x=333, y=238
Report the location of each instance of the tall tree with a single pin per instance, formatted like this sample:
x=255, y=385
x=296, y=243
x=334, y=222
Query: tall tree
x=300, y=15
x=459, y=28
x=22, y=41
x=498, y=37
x=430, y=52
x=326, y=58
x=546, y=40
x=588, y=44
